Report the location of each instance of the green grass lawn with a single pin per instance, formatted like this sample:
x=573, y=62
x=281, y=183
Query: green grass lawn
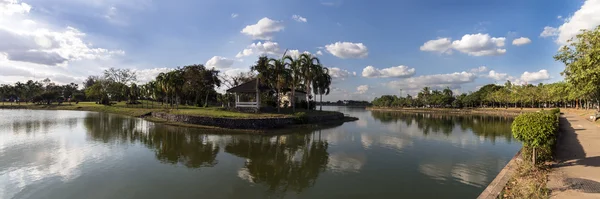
x=147, y=107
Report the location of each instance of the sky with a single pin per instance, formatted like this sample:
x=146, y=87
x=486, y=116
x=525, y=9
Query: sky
x=371, y=48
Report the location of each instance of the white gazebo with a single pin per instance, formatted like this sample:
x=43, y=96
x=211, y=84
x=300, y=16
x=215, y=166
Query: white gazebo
x=251, y=88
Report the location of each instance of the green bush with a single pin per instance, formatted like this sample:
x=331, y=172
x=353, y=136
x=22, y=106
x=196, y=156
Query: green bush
x=555, y=111
x=538, y=132
x=301, y=117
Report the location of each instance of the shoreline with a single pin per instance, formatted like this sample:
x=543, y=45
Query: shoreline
x=154, y=115
x=511, y=112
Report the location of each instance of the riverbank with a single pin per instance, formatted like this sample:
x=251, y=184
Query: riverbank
x=466, y=111
x=211, y=117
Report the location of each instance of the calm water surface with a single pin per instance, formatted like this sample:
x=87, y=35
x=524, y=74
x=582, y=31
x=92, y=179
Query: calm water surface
x=72, y=154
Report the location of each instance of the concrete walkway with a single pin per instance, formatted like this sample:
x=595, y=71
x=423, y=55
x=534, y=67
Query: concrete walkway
x=577, y=173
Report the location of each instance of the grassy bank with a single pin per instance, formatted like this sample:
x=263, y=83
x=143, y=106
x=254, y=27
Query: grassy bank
x=529, y=181
x=147, y=107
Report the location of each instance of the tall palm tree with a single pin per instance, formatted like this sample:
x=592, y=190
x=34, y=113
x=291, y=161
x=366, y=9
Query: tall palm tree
x=425, y=93
x=174, y=81
x=308, y=69
x=281, y=75
x=161, y=85
x=321, y=84
x=294, y=68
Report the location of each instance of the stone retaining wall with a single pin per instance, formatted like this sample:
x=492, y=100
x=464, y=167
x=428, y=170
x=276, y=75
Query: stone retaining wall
x=493, y=190
x=243, y=123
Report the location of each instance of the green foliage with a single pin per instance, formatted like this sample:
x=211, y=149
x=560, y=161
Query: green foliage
x=555, y=111
x=536, y=131
x=301, y=117
x=581, y=58
x=559, y=94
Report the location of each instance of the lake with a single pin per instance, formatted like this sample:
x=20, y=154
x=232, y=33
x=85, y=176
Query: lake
x=77, y=154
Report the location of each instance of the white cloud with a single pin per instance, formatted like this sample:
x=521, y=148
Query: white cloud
x=338, y=73
x=559, y=17
x=497, y=76
x=296, y=53
x=263, y=29
x=441, y=45
x=319, y=53
x=549, y=32
x=435, y=81
x=396, y=71
x=526, y=77
x=268, y=47
x=587, y=17
x=535, y=76
x=10, y=7
x=521, y=41
x=299, y=18
x=219, y=62
x=472, y=44
x=362, y=89
x=234, y=15
x=28, y=40
x=480, y=69
x=480, y=45
x=146, y=75
x=346, y=50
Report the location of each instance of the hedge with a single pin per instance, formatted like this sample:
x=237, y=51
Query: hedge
x=538, y=133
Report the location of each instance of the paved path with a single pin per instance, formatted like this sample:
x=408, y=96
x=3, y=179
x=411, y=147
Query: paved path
x=577, y=173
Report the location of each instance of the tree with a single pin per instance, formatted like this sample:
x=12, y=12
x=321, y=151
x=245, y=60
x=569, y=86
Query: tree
x=98, y=92
x=321, y=84
x=123, y=76
x=281, y=75
x=423, y=96
x=294, y=68
x=308, y=68
x=582, y=60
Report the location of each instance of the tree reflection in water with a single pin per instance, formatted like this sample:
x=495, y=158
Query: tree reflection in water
x=171, y=144
x=283, y=163
x=488, y=127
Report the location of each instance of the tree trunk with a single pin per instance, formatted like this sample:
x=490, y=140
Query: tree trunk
x=308, y=95
x=278, y=101
x=293, y=100
x=321, y=108
x=206, y=99
x=533, y=156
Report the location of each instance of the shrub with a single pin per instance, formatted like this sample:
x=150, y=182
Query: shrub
x=536, y=131
x=555, y=111
x=301, y=117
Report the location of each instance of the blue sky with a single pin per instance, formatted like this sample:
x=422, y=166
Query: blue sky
x=372, y=47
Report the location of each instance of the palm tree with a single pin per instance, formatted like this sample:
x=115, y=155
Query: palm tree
x=172, y=84
x=321, y=84
x=281, y=75
x=309, y=66
x=294, y=68
x=424, y=94
x=152, y=91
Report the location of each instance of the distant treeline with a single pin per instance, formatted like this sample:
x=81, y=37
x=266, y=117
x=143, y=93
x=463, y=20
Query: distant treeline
x=491, y=95
x=193, y=85
x=581, y=88
x=345, y=103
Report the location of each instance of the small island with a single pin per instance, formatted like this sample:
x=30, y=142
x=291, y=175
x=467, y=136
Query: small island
x=276, y=93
